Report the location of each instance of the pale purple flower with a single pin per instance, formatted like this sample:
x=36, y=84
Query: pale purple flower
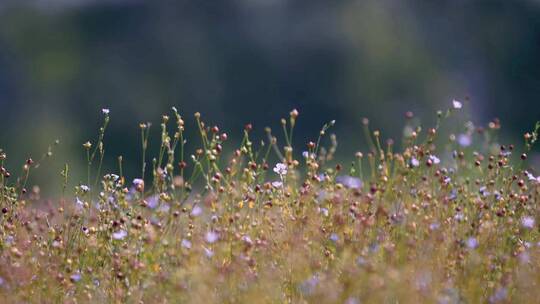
x=453, y=195
x=196, y=211
x=423, y=280
x=349, y=181
x=483, y=191
x=324, y=211
x=79, y=205
x=186, y=244
x=138, y=182
x=308, y=286
x=247, y=240
x=105, y=111
x=10, y=240
x=464, y=140
x=208, y=252
x=164, y=208
x=153, y=201
x=76, y=277
x=472, y=243
x=456, y=104
x=459, y=217
x=499, y=296
x=280, y=169
x=277, y=184
x=306, y=154
x=352, y=300
x=415, y=162
x=434, y=159
x=119, y=235
x=334, y=237
x=360, y=261
x=211, y=237
x=434, y=226
x=527, y=222
x=533, y=178
x=524, y=257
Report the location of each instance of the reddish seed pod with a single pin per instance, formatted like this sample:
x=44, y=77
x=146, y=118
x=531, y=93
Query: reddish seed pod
x=215, y=129
x=523, y=156
x=311, y=145
x=182, y=164
x=223, y=136
x=248, y=127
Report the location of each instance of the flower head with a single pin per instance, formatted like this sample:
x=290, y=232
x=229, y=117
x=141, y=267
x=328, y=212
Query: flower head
x=280, y=169
x=527, y=222
x=434, y=159
x=186, y=244
x=105, y=111
x=472, y=243
x=456, y=104
x=464, y=140
x=349, y=181
x=84, y=188
x=119, y=235
x=211, y=237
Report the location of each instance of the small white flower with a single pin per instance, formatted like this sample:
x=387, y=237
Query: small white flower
x=119, y=235
x=84, y=188
x=527, y=222
x=457, y=104
x=138, y=182
x=281, y=169
x=415, y=162
x=105, y=111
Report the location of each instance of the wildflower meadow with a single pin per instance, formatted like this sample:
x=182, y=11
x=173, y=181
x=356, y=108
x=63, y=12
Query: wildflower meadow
x=445, y=214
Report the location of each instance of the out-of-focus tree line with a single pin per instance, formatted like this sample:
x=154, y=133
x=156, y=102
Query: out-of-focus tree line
x=252, y=61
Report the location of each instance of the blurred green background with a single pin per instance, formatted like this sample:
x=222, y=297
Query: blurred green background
x=241, y=61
